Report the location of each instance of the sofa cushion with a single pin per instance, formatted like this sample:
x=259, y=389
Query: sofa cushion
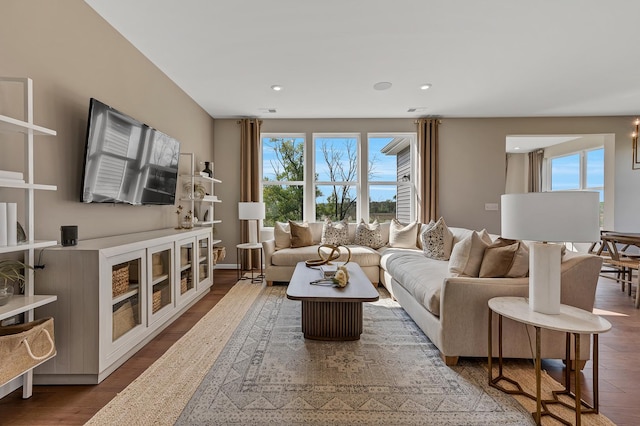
x=336, y=233
x=300, y=235
x=282, y=235
x=505, y=258
x=403, y=235
x=420, y=276
x=437, y=240
x=369, y=235
x=363, y=256
x=466, y=256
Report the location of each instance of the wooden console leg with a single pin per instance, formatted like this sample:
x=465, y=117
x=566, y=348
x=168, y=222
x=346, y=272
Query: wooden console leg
x=269, y=283
x=450, y=361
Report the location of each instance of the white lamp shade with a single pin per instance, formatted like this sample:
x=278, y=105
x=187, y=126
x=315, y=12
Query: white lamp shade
x=250, y=211
x=558, y=216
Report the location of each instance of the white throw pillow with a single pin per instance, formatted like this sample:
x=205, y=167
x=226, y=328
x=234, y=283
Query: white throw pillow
x=369, y=235
x=282, y=235
x=403, y=235
x=336, y=233
x=466, y=256
x=437, y=240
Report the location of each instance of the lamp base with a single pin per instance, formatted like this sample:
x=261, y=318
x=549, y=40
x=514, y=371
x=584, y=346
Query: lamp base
x=544, y=278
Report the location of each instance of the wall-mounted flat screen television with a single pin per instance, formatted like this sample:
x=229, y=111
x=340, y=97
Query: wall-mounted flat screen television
x=127, y=161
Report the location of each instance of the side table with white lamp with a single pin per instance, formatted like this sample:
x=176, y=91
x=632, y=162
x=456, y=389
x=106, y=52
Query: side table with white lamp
x=573, y=322
x=544, y=217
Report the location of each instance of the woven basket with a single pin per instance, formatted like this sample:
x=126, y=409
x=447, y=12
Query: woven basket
x=123, y=319
x=157, y=301
x=183, y=285
x=24, y=346
x=120, y=280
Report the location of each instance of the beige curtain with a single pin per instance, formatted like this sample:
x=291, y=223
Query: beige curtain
x=249, y=175
x=428, y=169
x=535, y=170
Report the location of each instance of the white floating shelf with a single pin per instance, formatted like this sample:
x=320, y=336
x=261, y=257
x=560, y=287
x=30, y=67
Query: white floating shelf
x=21, y=185
x=27, y=245
x=12, y=125
x=19, y=304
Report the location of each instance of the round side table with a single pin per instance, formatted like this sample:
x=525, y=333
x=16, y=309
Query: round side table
x=573, y=322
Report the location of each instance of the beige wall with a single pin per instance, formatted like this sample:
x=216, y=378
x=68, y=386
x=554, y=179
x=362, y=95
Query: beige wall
x=72, y=54
x=472, y=164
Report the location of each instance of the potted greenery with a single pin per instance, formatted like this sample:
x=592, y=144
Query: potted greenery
x=11, y=271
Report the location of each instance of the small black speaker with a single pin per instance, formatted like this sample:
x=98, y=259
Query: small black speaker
x=69, y=235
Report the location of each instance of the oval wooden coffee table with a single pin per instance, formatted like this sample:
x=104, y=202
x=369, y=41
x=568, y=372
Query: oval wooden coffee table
x=328, y=312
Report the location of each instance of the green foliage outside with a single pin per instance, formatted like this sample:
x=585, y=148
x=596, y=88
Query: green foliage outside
x=285, y=202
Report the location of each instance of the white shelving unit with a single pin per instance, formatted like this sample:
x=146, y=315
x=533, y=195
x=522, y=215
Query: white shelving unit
x=25, y=303
x=189, y=198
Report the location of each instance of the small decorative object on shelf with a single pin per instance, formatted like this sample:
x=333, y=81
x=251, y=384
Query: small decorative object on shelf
x=10, y=271
x=207, y=169
x=179, y=213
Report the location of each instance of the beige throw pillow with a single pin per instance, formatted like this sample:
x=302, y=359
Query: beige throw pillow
x=282, y=235
x=335, y=233
x=466, y=256
x=369, y=235
x=505, y=258
x=300, y=235
x=437, y=240
x=403, y=235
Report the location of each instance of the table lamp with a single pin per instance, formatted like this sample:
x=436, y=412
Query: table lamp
x=251, y=211
x=543, y=217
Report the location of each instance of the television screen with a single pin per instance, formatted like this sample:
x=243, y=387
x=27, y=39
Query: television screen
x=127, y=161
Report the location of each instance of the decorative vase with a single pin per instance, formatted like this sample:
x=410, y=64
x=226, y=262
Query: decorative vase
x=6, y=292
x=207, y=170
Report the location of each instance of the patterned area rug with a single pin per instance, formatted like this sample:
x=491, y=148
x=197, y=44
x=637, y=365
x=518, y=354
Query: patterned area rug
x=245, y=362
x=268, y=373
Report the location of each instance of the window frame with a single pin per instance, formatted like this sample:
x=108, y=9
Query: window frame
x=305, y=165
x=362, y=184
x=582, y=155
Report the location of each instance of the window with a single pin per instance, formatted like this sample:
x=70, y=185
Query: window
x=283, y=177
x=336, y=176
x=580, y=171
x=390, y=192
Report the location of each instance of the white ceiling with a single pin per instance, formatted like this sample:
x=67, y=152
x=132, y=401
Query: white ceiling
x=490, y=58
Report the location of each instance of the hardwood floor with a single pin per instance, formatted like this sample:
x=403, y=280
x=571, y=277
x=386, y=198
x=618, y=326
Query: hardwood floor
x=74, y=405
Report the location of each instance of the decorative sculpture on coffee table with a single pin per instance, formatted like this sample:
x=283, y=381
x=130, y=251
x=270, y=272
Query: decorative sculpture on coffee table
x=334, y=254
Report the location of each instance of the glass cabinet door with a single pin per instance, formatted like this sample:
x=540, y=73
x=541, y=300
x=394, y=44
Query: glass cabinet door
x=204, y=263
x=161, y=291
x=126, y=301
x=187, y=284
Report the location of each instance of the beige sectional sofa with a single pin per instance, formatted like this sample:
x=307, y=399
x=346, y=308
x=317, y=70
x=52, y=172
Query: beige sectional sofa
x=451, y=310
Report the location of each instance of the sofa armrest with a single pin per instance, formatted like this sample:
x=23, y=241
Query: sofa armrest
x=269, y=247
x=464, y=300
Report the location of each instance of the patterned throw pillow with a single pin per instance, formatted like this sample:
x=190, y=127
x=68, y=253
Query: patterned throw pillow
x=369, y=235
x=437, y=241
x=335, y=233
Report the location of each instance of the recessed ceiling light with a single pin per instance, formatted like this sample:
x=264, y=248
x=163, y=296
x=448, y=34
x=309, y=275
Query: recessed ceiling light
x=517, y=148
x=425, y=86
x=383, y=85
x=276, y=87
